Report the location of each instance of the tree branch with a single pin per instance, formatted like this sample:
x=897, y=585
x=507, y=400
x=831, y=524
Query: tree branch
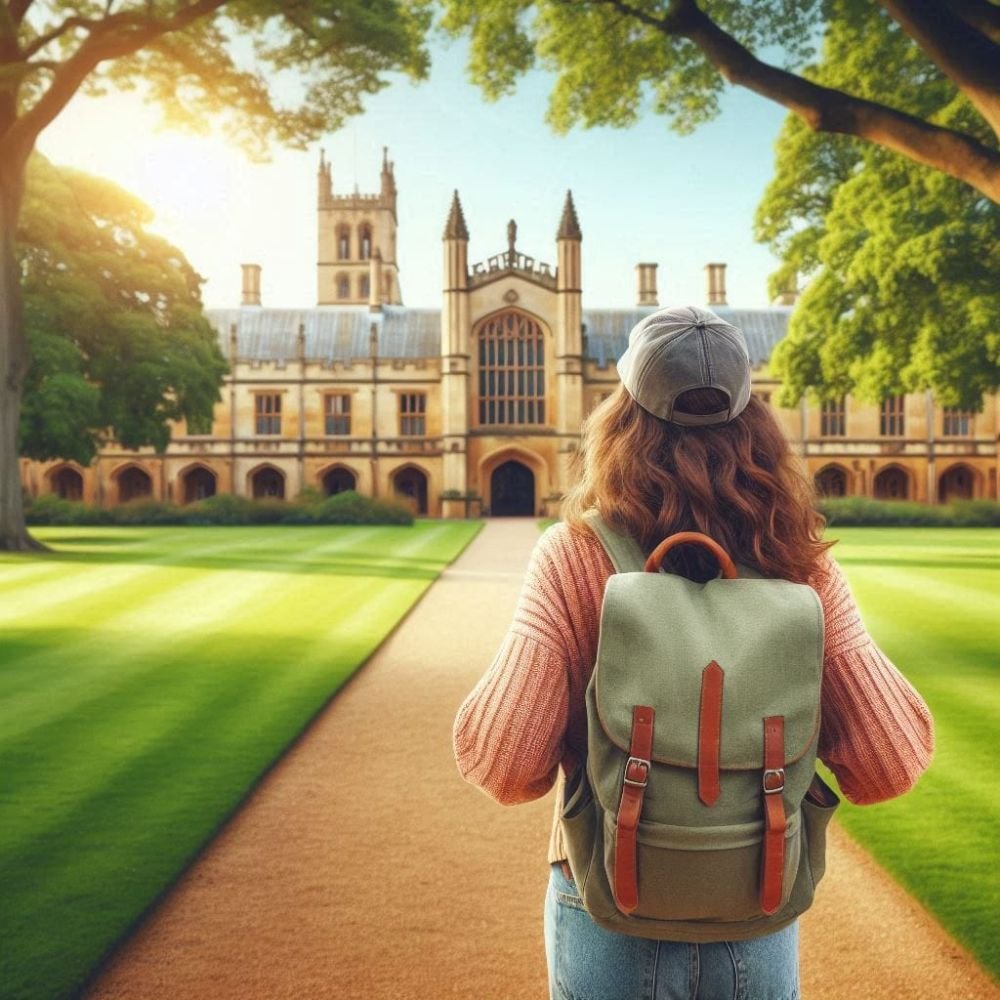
x=825, y=109
x=961, y=51
x=50, y=36
x=116, y=36
x=981, y=14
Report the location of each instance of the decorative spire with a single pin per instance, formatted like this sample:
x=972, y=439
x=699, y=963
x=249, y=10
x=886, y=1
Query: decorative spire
x=455, y=227
x=325, y=180
x=569, y=225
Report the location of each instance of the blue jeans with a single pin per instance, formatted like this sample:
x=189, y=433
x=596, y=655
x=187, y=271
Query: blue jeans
x=587, y=962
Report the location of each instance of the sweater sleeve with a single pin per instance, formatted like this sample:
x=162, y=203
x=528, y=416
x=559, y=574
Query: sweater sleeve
x=876, y=732
x=509, y=734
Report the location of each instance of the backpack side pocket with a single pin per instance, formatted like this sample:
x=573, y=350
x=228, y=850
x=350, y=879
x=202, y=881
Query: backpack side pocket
x=579, y=825
x=818, y=807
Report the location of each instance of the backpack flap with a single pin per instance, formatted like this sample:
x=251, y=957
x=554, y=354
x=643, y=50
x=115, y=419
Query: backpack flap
x=659, y=632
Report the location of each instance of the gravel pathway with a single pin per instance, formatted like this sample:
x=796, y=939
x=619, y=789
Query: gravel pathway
x=364, y=867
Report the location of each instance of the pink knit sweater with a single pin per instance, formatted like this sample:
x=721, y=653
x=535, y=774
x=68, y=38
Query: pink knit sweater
x=526, y=716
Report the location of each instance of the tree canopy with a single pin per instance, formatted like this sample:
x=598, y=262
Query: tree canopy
x=113, y=313
x=615, y=59
x=902, y=260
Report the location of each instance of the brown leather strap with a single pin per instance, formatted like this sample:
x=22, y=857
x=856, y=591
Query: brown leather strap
x=710, y=733
x=630, y=808
x=772, y=868
x=726, y=564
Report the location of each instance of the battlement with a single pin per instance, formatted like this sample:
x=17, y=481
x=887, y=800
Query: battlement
x=352, y=201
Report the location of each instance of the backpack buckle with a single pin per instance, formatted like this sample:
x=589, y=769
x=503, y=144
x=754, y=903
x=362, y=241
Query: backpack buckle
x=773, y=780
x=636, y=772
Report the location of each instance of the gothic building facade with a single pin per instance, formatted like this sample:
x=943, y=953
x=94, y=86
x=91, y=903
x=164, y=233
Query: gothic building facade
x=476, y=407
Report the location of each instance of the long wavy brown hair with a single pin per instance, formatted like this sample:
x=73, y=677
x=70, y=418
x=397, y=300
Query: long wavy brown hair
x=737, y=482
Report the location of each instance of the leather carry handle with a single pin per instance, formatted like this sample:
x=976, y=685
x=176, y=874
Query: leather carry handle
x=696, y=537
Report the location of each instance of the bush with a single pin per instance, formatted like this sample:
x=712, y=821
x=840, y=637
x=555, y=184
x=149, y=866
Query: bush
x=147, y=511
x=315, y=508
x=52, y=509
x=350, y=507
x=851, y=511
x=223, y=508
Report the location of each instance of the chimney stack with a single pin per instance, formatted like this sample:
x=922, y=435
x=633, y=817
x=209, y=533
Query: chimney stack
x=251, y=284
x=716, y=274
x=646, y=294
x=789, y=295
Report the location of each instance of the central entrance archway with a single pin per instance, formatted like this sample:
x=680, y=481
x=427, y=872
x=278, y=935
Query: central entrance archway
x=512, y=490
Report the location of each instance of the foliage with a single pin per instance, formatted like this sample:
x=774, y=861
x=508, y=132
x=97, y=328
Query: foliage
x=256, y=70
x=342, y=508
x=113, y=312
x=901, y=259
x=843, y=511
x=616, y=59
x=610, y=68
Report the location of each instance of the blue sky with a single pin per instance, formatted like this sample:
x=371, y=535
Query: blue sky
x=642, y=194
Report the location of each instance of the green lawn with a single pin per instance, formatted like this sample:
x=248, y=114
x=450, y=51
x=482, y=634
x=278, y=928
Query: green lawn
x=148, y=678
x=931, y=599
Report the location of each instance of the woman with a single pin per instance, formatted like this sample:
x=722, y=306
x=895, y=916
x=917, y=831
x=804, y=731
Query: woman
x=682, y=445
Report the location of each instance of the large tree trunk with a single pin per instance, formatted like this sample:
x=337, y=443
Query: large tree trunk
x=14, y=362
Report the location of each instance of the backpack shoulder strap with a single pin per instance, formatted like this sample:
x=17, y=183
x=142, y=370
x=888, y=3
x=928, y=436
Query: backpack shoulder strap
x=622, y=550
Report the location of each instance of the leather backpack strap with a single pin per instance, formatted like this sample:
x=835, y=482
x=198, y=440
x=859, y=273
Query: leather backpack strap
x=772, y=868
x=634, y=781
x=622, y=550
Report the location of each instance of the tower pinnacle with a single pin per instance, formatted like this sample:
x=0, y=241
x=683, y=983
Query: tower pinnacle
x=455, y=228
x=569, y=225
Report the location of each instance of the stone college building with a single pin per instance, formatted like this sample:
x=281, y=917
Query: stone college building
x=476, y=407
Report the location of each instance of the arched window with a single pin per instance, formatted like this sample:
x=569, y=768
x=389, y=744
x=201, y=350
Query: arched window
x=343, y=243
x=365, y=240
x=511, y=370
x=892, y=483
x=364, y=285
x=343, y=286
x=831, y=481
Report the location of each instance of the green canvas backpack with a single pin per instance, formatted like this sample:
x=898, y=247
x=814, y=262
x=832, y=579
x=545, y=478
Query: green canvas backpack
x=698, y=815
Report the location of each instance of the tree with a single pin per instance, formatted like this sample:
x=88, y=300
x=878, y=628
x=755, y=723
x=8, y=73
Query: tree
x=902, y=259
x=613, y=57
x=114, y=322
x=186, y=56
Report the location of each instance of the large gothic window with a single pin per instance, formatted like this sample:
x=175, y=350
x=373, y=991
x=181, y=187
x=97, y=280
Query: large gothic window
x=511, y=370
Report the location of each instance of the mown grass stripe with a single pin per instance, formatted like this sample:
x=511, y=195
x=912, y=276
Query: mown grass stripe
x=929, y=597
x=140, y=748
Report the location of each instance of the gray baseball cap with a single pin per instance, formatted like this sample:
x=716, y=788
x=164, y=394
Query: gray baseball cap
x=673, y=350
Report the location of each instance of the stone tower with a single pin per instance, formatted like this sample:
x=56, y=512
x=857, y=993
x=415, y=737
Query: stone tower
x=455, y=348
x=569, y=338
x=351, y=228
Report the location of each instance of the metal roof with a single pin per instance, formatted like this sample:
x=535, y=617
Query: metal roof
x=332, y=333
x=342, y=333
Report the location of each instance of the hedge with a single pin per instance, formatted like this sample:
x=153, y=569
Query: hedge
x=311, y=507
x=851, y=511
